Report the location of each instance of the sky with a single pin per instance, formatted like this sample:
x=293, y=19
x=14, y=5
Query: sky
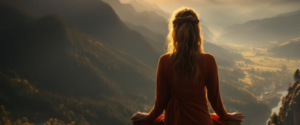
x=220, y=14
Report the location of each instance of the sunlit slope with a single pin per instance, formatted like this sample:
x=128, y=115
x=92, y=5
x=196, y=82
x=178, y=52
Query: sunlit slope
x=24, y=101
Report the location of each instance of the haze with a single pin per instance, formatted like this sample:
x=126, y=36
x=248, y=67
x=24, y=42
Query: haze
x=219, y=14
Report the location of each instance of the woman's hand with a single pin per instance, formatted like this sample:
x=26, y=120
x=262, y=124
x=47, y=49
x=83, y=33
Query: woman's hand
x=237, y=116
x=139, y=117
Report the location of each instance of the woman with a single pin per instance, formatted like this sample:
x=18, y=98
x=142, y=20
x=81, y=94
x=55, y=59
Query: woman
x=184, y=75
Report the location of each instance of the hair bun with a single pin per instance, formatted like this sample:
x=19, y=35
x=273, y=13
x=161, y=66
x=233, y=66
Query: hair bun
x=190, y=19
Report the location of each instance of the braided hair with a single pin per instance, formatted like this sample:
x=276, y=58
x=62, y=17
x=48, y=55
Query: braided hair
x=185, y=43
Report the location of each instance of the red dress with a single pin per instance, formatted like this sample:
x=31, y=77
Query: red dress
x=186, y=102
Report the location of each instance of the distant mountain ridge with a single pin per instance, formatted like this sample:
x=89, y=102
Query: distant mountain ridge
x=148, y=19
x=142, y=5
x=261, y=32
x=225, y=57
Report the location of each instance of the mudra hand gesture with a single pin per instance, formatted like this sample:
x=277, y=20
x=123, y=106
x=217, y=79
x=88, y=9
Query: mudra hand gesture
x=139, y=117
x=237, y=116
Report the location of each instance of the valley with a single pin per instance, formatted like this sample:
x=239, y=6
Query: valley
x=94, y=62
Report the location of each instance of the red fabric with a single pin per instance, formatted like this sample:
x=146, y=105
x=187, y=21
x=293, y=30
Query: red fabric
x=216, y=120
x=185, y=102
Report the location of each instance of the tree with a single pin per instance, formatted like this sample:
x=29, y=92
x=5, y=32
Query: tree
x=274, y=118
x=290, y=89
x=297, y=75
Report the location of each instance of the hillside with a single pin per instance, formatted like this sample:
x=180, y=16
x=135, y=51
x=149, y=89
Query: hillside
x=66, y=65
x=289, y=112
x=98, y=20
x=289, y=49
x=49, y=44
x=261, y=32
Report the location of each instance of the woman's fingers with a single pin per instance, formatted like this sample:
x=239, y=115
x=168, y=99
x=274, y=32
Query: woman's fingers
x=238, y=116
x=135, y=115
x=241, y=116
x=139, y=119
x=139, y=116
x=139, y=113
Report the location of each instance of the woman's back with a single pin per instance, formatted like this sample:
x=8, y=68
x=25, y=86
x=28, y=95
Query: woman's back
x=186, y=99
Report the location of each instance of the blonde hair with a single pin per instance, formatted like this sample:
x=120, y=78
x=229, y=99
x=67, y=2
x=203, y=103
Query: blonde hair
x=185, y=42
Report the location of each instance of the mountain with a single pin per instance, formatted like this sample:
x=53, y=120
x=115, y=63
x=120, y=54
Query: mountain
x=289, y=49
x=261, y=32
x=142, y=5
x=48, y=44
x=46, y=63
x=225, y=57
x=53, y=69
x=98, y=20
x=289, y=112
x=148, y=19
x=158, y=41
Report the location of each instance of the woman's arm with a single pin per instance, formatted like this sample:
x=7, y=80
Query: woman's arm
x=162, y=95
x=213, y=90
